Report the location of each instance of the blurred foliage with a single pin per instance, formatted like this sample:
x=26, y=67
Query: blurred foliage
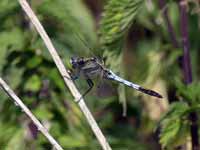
x=133, y=37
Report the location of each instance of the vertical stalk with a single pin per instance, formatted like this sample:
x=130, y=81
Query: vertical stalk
x=163, y=8
x=185, y=42
x=187, y=70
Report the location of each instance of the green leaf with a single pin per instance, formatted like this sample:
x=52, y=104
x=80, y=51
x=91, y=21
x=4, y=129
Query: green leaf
x=174, y=133
x=13, y=40
x=8, y=129
x=56, y=79
x=33, y=62
x=117, y=18
x=70, y=142
x=43, y=113
x=6, y=7
x=189, y=92
x=174, y=129
x=175, y=111
x=33, y=83
x=68, y=22
x=16, y=142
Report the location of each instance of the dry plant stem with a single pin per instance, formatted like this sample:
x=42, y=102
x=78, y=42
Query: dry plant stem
x=19, y=103
x=65, y=75
x=188, y=70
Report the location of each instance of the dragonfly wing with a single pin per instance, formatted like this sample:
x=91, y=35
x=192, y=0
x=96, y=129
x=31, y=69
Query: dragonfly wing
x=104, y=88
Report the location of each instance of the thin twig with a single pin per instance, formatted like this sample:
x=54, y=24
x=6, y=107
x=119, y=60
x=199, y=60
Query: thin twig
x=173, y=38
x=187, y=70
x=65, y=75
x=164, y=9
x=19, y=103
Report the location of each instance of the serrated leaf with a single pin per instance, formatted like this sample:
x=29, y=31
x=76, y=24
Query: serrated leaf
x=175, y=111
x=174, y=133
x=117, y=17
x=169, y=131
x=174, y=129
x=189, y=92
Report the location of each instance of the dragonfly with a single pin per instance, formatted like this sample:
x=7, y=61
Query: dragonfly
x=92, y=67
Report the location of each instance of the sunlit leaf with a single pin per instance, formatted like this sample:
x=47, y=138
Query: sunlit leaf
x=117, y=18
x=43, y=113
x=70, y=142
x=174, y=127
x=33, y=83
x=33, y=62
x=16, y=142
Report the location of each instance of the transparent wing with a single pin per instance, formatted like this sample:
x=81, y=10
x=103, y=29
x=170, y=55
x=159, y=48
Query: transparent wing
x=105, y=89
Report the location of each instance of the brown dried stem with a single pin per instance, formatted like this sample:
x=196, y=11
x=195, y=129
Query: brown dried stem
x=65, y=75
x=25, y=109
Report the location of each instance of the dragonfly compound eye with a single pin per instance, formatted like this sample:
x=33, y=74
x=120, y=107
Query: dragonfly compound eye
x=81, y=62
x=73, y=62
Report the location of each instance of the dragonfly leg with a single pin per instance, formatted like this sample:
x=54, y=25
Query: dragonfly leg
x=73, y=77
x=91, y=84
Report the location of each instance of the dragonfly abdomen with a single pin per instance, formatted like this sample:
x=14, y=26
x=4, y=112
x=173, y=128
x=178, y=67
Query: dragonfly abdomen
x=149, y=92
x=110, y=75
x=141, y=89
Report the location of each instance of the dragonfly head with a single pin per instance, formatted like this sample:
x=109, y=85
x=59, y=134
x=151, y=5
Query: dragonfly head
x=76, y=62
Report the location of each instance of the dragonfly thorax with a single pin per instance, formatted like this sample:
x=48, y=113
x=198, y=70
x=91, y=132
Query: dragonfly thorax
x=78, y=62
x=86, y=67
